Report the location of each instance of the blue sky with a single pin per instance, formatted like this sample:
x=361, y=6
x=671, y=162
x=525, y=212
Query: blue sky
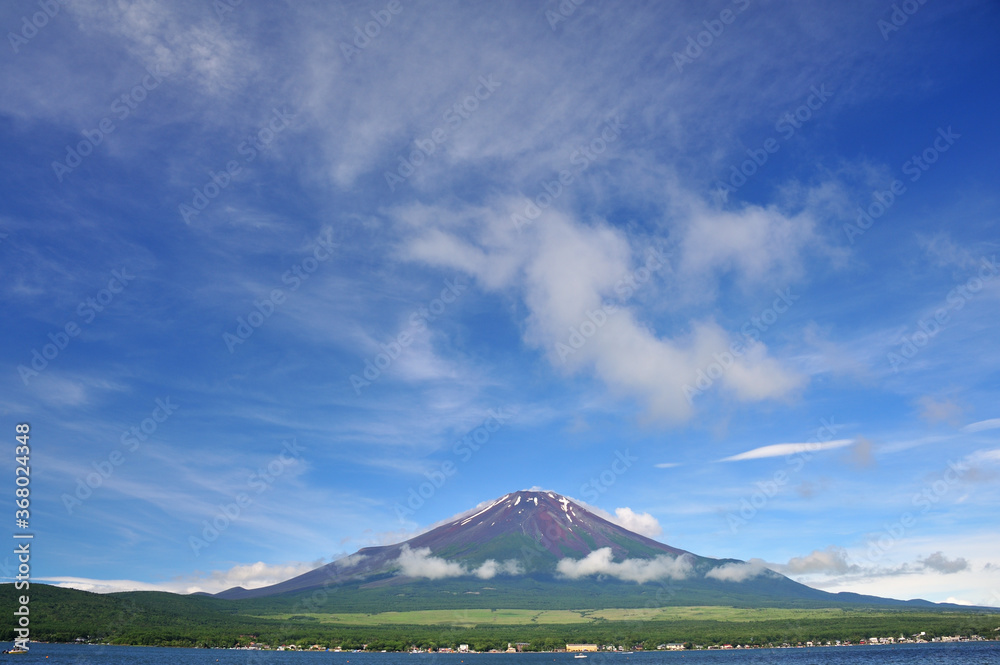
x=728, y=269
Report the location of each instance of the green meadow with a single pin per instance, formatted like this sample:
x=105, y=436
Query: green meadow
x=155, y=618
x=517, y=617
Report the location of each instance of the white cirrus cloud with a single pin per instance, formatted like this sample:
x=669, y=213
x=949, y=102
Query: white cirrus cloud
x=984, y=456
x=782, y=449
x=982, y=425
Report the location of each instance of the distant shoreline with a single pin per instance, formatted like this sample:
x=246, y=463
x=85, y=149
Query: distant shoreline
x=602, y=652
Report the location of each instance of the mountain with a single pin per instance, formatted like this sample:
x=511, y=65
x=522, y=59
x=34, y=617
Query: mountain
x=491, y=574
x=541, y=549
x=535, y=528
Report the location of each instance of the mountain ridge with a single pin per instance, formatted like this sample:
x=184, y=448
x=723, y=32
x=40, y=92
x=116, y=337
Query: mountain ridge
x=537, y=527
x=540, y=544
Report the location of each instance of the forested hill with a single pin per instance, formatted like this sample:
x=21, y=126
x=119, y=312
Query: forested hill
x=157, y=618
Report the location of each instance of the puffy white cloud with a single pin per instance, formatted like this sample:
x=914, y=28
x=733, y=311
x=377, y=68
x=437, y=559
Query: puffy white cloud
x=582, y=284
x=832, y=560
x=599, y=562
x=248, y=576
x=350, y=560
x=109, y=586
x=757, y=243
x=421, y=563
x=413, y=563
x=261, y=574
x=738, y=572
x=912, y=573
x=641, y=523
x=491, y=569
x=939, y=562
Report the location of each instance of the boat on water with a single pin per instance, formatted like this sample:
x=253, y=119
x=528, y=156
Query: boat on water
x=15, y=651
x=580, y=655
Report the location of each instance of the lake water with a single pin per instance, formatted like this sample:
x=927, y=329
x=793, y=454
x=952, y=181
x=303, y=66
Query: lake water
x=966, y=653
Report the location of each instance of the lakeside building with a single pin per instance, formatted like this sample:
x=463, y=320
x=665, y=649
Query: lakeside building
x=581, y=647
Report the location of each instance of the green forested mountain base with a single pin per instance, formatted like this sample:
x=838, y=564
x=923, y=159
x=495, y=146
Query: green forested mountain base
x=153, y=618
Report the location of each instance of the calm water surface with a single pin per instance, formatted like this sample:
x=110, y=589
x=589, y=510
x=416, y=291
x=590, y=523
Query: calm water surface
x=968, y=653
